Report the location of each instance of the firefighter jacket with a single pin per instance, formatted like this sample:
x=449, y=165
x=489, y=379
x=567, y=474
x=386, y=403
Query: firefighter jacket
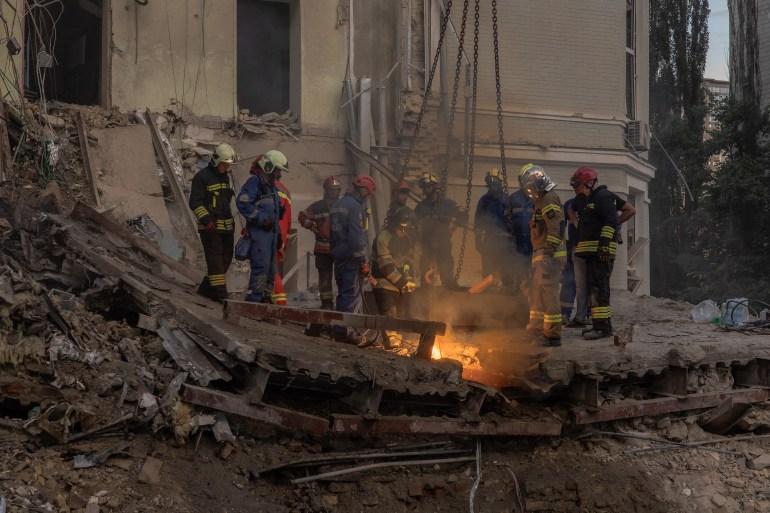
x=597, y=224
x=547, y=228
x=348, y=229
x=284, y=226
x=520, y=211
x=435, y=220
x=490, y=218
x=316, y=218
x=260, y=204
x=210, y=197
x=392, y=262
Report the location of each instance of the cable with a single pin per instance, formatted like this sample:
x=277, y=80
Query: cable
x=171, y=52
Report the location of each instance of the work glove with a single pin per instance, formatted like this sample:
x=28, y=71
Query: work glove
x=409, y=287
x=211, y=226
x=604, y=254
x=365, y=270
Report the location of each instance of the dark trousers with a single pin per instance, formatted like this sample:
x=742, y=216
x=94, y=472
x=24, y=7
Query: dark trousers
x=324, y=264
x=439, y=252
x=218, y=250
x=568, y=289
x=599, y=292
x=392, y=304
x=347, y=274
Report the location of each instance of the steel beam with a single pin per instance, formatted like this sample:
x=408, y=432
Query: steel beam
x=664, y=405
x=260, y=311
x=366, y=399
x=755, y=374
x=672, y=382
x=279, y=417
x=353, y=424
x=585, y=391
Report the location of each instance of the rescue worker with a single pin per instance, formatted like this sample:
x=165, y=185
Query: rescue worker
x=547, y=233
x=210, y=197
x=316, y=219
x=284, y=228
x=348, y=248
x=400, y=198
x=259, y=203
x=392, y=268
x=493, y=239
x=570, y=273
x=436, y=218
x=519, y=215
x=597, y=244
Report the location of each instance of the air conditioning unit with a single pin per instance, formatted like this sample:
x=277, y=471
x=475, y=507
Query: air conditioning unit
x=638, y=135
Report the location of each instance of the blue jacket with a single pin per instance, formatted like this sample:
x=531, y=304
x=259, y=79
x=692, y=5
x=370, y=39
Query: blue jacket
x=520, y=212
x=260, y=205
x=490, y=216
x=348, y=236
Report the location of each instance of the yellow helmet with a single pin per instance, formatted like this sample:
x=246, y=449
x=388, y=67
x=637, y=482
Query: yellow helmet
x=494, y=175
x=224, y=153
x=428, y=179
x=273, y=159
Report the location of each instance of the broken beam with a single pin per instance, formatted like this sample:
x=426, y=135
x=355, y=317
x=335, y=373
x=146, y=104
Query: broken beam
x=653, y=407
x=279, y=417
x=259, y=311
x=353, y=424
x=85, y=153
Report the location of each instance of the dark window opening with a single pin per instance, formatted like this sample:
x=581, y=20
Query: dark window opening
x=63, y=50
x=630, y=86
x=263, y=56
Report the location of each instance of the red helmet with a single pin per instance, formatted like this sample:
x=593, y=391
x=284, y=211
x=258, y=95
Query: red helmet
x=403, y=185
x=584, y=175
x=332, y=183
x=367, y=182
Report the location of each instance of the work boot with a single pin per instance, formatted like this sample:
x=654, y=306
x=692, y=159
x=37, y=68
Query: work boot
x=313, y=330
x=550, y=341
x=594, y=334
x=577, y=323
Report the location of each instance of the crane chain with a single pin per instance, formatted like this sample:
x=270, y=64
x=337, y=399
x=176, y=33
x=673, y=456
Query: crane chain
x=428, y=87
x=472, y=149
x=500, y=133
x=455, y=91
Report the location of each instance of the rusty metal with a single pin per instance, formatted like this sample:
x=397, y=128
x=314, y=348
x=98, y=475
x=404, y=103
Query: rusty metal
x=672, y=382
x=353, y=424
x=278, y=417
x=585, y=391
x=189, y=357
x=755, y=374
x=664, y=405
x=724, y=417
x=485, y=377
x=366, y=399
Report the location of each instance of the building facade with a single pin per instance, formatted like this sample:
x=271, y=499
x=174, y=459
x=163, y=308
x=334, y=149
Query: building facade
x=574, y=83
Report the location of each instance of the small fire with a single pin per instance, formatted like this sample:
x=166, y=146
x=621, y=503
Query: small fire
x=436, y=353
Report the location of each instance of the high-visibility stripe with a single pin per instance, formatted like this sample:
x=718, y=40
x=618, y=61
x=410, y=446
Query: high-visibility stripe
x=535, y=315
x=537, y=217
x=284, y=196
x=560, y=254
x=553, y=239
x=201, y=212
x=217, y=187
x=277, y=298
x=608, y=232
x=551, y=208
x=552, y=318
x=601, y=312
x=225, y=224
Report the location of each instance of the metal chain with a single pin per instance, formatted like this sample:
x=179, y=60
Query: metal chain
x=428, y=87
x=500, y=134
x=453, y=105
x=472, y=149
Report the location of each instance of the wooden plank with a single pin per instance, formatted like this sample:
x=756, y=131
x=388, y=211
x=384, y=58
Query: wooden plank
x=165, y=162
x=189, y=357
x=86, y=155
x=274, y=416
x=354, y=424
x=662, y=406
x=260, y=311
x=85, y=213
x=6, y=156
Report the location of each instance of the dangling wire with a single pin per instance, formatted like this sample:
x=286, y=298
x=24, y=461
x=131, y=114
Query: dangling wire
x=453, y=106
x=472, y=145
x=428, y=87
x=500, y=134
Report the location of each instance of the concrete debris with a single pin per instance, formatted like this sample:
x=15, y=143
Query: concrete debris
x=759, y=463
x=150, y=472
x=221, y=430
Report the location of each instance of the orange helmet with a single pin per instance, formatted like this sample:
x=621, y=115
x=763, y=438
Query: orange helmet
x=366, y=182
x=332, y=183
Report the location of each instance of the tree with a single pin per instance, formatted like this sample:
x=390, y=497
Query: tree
x=678, y=47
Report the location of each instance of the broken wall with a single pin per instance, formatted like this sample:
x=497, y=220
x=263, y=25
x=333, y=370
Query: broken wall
x=184, y=53
x=11, y=85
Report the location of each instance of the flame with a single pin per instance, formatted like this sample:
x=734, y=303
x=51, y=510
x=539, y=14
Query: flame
x=436, y=353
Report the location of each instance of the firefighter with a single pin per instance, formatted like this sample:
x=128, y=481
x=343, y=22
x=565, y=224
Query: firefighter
x=519, y=215
x=597, y=244
x=493, y=239
x=348, y=248
x=400, y=198
x=392, y=266
x=549, y=254
x=210, y=197
x=284, y=228
x=436, y=218
x=316, y=219
x=259, y=202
